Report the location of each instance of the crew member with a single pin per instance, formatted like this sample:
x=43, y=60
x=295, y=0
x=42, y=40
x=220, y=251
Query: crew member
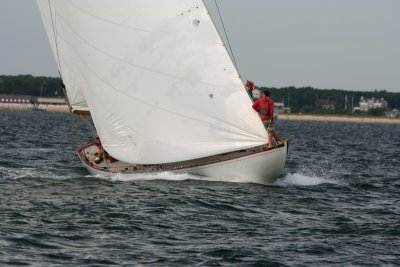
x=265, y=108
x=249, y=88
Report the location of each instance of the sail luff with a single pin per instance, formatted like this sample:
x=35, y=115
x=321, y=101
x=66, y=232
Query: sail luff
x=73, y=95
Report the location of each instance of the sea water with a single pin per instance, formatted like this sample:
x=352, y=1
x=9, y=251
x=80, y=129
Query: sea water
x=337, y=202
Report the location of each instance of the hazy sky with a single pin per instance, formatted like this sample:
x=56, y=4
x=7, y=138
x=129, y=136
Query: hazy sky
x=341, y=44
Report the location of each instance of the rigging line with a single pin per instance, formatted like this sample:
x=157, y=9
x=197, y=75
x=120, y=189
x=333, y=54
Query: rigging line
x=55, y=40
x=89, y=125
x=226, y=34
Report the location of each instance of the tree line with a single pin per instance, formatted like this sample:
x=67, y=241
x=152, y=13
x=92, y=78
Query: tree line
x=299, y=99
x=30, y=85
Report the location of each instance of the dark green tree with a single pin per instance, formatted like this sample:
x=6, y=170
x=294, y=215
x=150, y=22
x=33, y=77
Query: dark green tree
x=30, y=85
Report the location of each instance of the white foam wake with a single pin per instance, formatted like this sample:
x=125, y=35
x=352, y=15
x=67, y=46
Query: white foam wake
x=304, y=180
x=169, y=176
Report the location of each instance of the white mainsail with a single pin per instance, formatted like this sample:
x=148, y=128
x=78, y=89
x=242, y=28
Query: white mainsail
x=157, y=79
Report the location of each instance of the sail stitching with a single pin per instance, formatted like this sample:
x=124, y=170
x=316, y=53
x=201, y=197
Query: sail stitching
x=108, y=21
x=129, y=63
x=148, y=104
x=100, y=79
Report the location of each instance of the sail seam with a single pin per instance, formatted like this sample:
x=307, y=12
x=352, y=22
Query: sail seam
x=108, y=21
x=130, y=64
x=148, y=104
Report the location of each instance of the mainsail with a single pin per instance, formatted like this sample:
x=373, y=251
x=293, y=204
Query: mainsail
x=155, y=75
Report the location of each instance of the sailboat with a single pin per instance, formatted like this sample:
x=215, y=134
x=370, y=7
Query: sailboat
x=161, y=88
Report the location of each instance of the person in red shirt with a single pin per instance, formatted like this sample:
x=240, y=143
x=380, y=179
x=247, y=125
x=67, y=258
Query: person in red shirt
x=265, y=108
x=249, y=88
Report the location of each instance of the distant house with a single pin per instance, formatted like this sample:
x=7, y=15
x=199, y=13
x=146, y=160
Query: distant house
x=394, y=113
x=367, y=104
x=279, y=107
x=326, y=104
x=16, y=102
x=16, y=99
x=24, y=102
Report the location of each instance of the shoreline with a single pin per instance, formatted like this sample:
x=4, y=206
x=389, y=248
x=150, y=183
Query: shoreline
x=31, y=107
x=335, y=118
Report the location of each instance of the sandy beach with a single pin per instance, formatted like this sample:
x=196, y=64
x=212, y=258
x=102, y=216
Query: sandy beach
x=302, y=117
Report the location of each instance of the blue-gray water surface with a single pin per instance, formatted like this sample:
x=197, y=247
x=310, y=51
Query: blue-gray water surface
x=337, y=202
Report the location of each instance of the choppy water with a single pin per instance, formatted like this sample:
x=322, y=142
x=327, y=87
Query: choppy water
x=337, y=203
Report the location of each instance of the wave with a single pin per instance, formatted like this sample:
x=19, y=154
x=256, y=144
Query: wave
x=30, y=172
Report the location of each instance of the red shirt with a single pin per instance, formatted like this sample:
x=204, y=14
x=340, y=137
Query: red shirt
x=250, y=85
x=265, y=108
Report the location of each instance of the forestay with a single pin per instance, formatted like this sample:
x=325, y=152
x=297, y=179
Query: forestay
x=159, y=83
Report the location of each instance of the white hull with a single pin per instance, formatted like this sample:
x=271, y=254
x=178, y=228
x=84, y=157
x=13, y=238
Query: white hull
x=262, y=167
